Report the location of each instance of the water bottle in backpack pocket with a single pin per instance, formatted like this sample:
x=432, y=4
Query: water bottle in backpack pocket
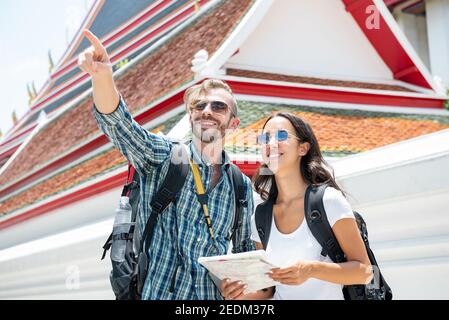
x=122, y=230
x=123, y=253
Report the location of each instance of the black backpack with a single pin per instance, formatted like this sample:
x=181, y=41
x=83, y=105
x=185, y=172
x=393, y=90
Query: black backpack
x=128, y=277
x=318, y=224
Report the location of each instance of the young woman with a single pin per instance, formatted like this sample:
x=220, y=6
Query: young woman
x=292, y=162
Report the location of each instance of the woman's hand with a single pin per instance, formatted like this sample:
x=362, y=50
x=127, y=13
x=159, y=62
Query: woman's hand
x=232, y=290
x=293, y=275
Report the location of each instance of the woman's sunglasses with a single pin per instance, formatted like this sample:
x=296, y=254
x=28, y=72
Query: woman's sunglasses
x=216, y=106
x=279, y=136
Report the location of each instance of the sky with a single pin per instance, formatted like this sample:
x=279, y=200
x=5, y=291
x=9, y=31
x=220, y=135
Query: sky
x=28, y=29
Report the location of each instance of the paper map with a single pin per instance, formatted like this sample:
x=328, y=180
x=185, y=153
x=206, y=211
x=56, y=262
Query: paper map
x=249, y=267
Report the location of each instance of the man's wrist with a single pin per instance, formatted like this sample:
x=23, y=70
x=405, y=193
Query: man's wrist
x=102, y=77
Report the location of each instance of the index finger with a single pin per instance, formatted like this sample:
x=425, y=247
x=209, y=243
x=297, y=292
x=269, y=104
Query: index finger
x=96, y=43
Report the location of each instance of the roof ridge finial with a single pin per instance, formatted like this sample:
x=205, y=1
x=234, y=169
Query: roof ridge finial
x=196, y=4
x=14, y=117
x=199, y=60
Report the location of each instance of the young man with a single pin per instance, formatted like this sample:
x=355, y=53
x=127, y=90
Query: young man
x=181, y=234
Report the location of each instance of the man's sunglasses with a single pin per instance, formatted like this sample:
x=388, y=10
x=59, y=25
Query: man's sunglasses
x=279, y=136
x=216, y=106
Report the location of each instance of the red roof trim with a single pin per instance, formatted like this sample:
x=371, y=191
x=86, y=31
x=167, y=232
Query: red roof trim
x=329, y=95
x=9, y=152
x=412, y=5
x=386, y=44
x=389, y=3
x=4, y=143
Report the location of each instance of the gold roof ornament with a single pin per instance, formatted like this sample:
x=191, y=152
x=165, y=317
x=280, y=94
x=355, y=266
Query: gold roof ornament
x=196, y=5
x=51, y=64
x=34, y=90
x=14, y=117
x=31, y=90
x=30, y=94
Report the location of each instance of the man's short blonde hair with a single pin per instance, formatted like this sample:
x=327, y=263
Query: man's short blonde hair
x=194, y=92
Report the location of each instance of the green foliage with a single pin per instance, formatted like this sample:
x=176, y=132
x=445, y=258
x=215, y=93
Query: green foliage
x=121, y=64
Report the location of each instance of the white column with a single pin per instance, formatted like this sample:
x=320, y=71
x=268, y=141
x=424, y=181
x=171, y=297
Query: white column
x=415, y=29
x=437, y=12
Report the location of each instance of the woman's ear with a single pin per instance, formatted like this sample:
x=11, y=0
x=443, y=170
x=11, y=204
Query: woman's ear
x=303, y=148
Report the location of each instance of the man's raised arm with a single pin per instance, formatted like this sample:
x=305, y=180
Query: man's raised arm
x=143, y=149
x=95, y=61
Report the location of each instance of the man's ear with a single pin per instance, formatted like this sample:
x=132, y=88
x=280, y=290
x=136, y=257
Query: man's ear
x=303, y=148
x=234, y=123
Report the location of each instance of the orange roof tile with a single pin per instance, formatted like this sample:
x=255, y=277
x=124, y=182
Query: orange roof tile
x=342, y=131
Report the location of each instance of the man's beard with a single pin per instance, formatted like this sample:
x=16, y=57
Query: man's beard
x=209, y=135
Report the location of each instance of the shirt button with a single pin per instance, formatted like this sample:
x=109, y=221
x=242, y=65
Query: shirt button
x=201, y=221
x=198, y=240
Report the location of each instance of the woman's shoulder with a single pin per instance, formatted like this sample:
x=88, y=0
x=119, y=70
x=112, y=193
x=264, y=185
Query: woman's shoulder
x=336, y=205
x=333, y=194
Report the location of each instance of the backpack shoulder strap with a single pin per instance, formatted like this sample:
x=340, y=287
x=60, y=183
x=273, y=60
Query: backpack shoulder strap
x=316, y=218
x=173, y=182
x=264, y=217
x=239, y=199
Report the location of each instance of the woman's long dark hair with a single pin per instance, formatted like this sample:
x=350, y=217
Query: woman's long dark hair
x=312, y=165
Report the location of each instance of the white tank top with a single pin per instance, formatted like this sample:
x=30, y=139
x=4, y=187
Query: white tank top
x=286, y=249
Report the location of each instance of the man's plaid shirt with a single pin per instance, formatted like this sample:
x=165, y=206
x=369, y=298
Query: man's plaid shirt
x=181, y=234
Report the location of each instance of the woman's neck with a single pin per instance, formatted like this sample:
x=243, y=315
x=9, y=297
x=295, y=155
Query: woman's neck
x=290, y=185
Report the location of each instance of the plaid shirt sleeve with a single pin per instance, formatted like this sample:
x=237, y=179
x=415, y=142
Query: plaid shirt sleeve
x=243, y=234
x=142, y=148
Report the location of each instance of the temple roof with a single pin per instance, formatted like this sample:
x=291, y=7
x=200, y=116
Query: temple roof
x=155, y=76
x=69, y=150
x=340, y=132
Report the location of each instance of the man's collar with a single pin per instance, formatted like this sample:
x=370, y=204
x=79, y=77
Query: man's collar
x=196, y=156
